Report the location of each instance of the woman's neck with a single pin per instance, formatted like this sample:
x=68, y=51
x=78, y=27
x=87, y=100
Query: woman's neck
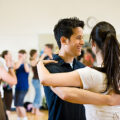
x=99, y=59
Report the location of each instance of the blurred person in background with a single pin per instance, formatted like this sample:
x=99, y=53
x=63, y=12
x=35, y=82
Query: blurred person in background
x=22, y=71
x=81, y=56
x=48, y=52
x=36, y=83
x=6, y=55
x=89, y=58
x=8, y=77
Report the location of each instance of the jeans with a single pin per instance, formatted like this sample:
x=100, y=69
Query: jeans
x=38, y=97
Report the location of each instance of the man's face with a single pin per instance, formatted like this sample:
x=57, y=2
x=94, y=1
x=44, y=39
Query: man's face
x=75, y=42
x=47, y=50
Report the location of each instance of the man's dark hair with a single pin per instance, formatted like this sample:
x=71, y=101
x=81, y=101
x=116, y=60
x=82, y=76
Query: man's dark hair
x=4, y=53
x=22, y=51
x=49, y=46
x=65, y=27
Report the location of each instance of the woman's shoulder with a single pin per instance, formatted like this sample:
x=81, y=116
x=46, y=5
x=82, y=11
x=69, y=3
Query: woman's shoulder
x=91, y=70
x=93, y=79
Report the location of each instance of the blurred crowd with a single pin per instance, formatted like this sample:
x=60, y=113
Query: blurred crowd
x=26, y=72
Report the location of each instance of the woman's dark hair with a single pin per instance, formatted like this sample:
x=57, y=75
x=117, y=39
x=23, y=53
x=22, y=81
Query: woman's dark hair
x=104, y=35
x=65, y=27
x=22, y=51
x=32, y=52
x=4, y=53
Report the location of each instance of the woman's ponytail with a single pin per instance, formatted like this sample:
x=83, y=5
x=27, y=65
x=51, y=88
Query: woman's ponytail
x=104, y=35
x=111, y=61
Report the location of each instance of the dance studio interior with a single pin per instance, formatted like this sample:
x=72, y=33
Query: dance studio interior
x=59, y=60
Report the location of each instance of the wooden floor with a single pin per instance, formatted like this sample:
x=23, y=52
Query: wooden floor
x=13, y=116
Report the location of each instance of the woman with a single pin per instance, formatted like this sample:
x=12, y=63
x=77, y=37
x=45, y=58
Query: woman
x=22, y=71
x=10, y=78
x=35, y=82
x=102, y=79
x=7, y=57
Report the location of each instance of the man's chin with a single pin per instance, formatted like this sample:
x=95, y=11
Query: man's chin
x=78, y=54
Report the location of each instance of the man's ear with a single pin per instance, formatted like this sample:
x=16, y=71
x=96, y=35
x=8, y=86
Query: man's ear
x=64, y=40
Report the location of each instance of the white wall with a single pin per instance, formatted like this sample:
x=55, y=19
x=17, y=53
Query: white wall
x=16, y=42
x=39, y=16
x=22, y=21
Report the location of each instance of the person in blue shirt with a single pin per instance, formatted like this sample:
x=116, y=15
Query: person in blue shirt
x=22, y=72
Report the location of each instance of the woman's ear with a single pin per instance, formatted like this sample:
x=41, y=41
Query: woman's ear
x=95, y=48
x=64, y=40
x=93, y=43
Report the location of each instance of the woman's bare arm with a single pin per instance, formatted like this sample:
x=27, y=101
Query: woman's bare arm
x=58, y=79
x=26, y=67
x=9, y=77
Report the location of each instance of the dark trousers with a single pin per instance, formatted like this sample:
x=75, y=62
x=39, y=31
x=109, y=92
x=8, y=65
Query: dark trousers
x=3, y=115
x=4, y=109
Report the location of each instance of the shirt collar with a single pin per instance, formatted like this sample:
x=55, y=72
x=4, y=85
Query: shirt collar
x=61, y=61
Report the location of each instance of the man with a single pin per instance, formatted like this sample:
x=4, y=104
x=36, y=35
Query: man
x=48, y=52
x=69, y=36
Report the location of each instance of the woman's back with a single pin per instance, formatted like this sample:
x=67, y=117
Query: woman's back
x=94, y=112
x=96, y=81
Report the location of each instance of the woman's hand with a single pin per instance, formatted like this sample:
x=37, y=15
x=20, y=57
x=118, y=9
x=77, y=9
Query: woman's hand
x=9, y=63
x=47, y=61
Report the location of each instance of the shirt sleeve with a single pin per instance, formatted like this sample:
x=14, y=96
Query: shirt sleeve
x=92, y=79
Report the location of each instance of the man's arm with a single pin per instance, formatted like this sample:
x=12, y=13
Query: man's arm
x=80, y=96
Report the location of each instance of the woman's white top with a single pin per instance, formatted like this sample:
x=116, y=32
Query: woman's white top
x=96, y=81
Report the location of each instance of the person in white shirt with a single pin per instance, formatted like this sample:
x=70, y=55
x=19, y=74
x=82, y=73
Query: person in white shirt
x=8, y=96
x=96, y=81
x=2, y=63
x=8, y=77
